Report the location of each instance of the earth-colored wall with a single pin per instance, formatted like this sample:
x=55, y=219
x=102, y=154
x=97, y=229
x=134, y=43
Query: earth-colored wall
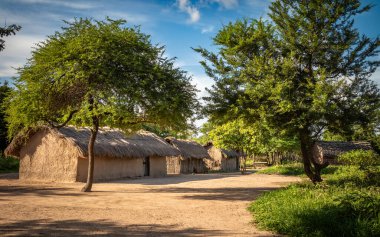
x=218, y=162
x=111, y=168
x=47, y=157
x=173, y=165
x=158, y=166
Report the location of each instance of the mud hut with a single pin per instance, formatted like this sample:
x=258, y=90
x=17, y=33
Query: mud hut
x=192, y=158
x=61, y=155
x=222, y=159
x=328, y=151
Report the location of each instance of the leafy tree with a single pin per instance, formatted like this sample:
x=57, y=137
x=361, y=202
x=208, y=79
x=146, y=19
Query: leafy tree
x=100, y=73
x=305, y=72
x=4, y=90
x=7, y=31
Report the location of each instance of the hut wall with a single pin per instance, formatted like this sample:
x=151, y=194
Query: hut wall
x=216, y=159
x=173, y=165
x=111, y=168
x=47, y=157
x=157, y=166
x=229, y=164
x=199, y=165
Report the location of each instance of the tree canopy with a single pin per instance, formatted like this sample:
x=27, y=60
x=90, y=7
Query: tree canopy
x=7, y=31
x=100, y=73
x=304, y=72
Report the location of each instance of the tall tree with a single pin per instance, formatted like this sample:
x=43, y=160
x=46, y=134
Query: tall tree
x=100, y=73
x=4, y=90
x=305, y=72
x=7, y=31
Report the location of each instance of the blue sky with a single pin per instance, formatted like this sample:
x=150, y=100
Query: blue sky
x=178, y=24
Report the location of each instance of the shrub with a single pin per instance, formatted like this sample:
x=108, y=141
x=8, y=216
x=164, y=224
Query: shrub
x=361, y=158
x=346, y=204
x=8, y=164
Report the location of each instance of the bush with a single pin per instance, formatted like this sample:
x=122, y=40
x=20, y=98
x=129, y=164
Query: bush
x=361, y=158
x=346, y=204
x=8, y=164
x=293, y=169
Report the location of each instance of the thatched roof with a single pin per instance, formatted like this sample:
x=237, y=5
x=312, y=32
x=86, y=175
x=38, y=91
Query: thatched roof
x=331, y=149
x=225, y=153
x=188, y=149
x=111, y=143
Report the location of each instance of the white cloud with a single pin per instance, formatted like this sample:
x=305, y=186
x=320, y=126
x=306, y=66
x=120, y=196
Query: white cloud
x=228, y=4
x=207, y=29
x=17, y=49
x=185, y=6
x=69, y=4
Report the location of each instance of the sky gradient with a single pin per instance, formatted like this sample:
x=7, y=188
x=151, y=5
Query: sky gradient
x=178, y=24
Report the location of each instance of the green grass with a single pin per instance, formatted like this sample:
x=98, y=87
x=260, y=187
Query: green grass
x=8, y=165
x=346, y=204
x=293, y=169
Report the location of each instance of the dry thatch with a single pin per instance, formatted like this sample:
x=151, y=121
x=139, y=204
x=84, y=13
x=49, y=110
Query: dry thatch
x=332, y=149
x=188, y=149
x=226, y=153
x=110, y=143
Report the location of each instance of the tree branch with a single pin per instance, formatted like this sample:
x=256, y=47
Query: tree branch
x=67, y=120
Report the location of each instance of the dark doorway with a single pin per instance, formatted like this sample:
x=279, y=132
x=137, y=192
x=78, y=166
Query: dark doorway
x=237, y=163
x=146, y=166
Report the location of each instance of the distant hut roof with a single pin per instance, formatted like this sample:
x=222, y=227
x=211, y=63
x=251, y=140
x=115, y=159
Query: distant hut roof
x=108, y=143
x=188, y=149
x=331, y=149
x=226, y=153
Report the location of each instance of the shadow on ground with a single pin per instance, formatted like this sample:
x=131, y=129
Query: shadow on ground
x=46, y=227
x=218, y=194
x=177, y=178
x=38, y=191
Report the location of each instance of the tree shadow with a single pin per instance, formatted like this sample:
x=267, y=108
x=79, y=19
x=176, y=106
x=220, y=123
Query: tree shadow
x=175, y=178
x=38, y=191
x=218, y=194
x=48, y=227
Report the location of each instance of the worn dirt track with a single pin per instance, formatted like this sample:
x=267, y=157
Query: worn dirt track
x=185, y=205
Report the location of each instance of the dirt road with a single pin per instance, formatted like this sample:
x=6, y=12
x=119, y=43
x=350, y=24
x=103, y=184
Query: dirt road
x=185, y=205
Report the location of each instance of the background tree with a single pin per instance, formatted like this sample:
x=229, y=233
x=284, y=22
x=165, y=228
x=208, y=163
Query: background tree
x=100, y=73
x=4, y=90
x=303, y=74
x=7, y=31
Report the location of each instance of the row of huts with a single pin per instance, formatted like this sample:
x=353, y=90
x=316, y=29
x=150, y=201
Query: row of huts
x=60, y=155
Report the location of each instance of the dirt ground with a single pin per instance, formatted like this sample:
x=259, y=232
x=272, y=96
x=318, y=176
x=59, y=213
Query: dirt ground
x=184, y=205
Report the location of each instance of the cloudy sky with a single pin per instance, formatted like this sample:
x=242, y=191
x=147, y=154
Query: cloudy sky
x=178, y=24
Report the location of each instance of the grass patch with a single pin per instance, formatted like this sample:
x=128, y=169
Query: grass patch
x=8, y=164
x=293, y=169
x=346, y=204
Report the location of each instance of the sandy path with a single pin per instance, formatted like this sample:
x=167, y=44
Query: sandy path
x=186, y=205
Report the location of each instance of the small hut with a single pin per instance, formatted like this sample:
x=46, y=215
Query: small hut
x=328, y=151
x=222, y=159
x=191, y=160
x=61, y=155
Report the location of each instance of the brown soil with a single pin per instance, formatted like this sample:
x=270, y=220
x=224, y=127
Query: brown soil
x=185, y=205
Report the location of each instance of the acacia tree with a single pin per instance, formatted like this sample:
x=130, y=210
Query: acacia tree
x=100, y=73
x=305, y=72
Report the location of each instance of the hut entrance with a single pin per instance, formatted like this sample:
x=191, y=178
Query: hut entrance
x=146, y=166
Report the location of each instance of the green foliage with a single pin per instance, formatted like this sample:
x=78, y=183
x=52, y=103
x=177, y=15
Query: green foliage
x=335, y=208
x=8, y=164
x=305, y=71
x=7, y=31
x=4, y=91
x=360, y=158
x=102, y=72
x=292, y=169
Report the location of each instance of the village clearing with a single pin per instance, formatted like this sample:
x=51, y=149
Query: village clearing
x=181, y=205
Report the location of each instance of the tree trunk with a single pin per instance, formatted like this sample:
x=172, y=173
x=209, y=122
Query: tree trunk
x=91, y=142
x=314, y=173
